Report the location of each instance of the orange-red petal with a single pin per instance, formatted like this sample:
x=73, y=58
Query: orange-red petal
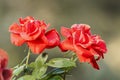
x=16, y=39
x=66, y=32
x=53, y=38
x=66, y=45
x=15, y=28
x=37, y=46
x=3, y=58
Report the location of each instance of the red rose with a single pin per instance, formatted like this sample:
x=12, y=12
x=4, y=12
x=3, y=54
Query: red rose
x=86, y=46
x=5, y=74
x=33, y=33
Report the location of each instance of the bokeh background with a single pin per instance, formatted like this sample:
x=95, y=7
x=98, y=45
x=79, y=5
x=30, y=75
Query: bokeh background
x=102, y=15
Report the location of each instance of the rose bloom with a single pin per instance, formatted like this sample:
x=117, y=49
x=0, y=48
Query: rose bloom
x=33, y=33
x=5, y=74
x=88, y=48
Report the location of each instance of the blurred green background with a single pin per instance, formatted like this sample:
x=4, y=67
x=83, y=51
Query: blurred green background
x=102, y=15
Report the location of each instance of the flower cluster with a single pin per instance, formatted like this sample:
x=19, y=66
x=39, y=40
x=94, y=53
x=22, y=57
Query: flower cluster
x=88, y=47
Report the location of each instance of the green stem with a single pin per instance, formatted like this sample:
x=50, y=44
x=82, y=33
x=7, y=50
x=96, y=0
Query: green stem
x=64, y=75
x=23, y=60
x=28, y=56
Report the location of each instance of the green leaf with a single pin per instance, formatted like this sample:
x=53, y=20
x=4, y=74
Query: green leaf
x=27, y=77
x=40, y=61
x=52, y=73
x=36, y=64
x=58, y=71
x=32, y=64
x=28, y=70
x=42, y=58
x=61, y=63
x=39, y=72
x=18, y=70
x=38, y=69
x=56, y=78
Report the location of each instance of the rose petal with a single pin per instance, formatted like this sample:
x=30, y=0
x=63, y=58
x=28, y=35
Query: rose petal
x=37, y=46
x=15, y=28
x=24, y=20
x=88, y=58
x=99, y=44
x=66, y=32
x=53, y=38
x=81, y=39
x=83, y=27
x=32, y=31
x=83, y=59
x=1, y=75
x=94, y=63
x=43, y=25
x=16, y=39
x=82, y=54
x=3, y=58
x=66, y=45
x=7, y=74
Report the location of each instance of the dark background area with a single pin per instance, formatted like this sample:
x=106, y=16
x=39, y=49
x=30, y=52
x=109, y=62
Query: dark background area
x=102, y=15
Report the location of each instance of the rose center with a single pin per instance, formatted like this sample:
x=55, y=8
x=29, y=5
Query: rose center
x=31, y=28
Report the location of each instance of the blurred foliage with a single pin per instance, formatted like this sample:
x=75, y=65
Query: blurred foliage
x=102, y=15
